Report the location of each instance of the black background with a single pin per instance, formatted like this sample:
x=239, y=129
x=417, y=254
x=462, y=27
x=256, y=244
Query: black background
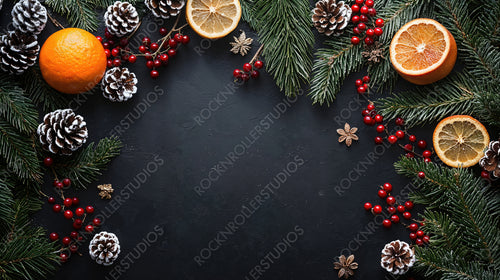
x=333, y=222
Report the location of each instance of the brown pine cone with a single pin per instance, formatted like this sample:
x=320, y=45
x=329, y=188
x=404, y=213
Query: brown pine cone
x=29, y=16
x=121, y=18
x=165, y=8
x=104, y=248
x=330, y=17
x=491, y=160
x=119, y=84
x=397, y=257
x=62, y=132
x=18, y=51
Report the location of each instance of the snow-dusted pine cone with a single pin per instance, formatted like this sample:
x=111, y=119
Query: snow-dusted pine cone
x=165, y=8
x=121, y=18
x=62, y=132
x=397, y=257
x=104, y=248
x=29, y=16
x=18, y=51
x=331, y=17
x=119, y=84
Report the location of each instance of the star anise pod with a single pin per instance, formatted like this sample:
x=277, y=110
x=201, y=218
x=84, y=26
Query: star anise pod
x=374, y=53
x=345, y=266
x=241, y=45
x=105, y=191
x=347, y=134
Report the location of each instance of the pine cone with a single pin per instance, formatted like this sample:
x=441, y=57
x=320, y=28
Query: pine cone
x=330, y=17
x=165, y=8
x=491, y=160
x=121, y=18
x=397, y=257
x=62, y=132
x=104, y=248
x=29, y=16
x=18, y=51
x=118, y=84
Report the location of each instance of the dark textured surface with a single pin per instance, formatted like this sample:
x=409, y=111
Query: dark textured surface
x=165, y=224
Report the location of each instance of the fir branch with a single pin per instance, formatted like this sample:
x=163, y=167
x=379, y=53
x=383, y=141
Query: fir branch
x=6, y=200
x=487, y=108
x=284, y=27
x=86, y=165
x=247, y=12
x=79, y=13
x=19, y=153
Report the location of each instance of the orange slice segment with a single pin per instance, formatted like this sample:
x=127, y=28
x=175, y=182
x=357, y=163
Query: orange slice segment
x=423, y=51
x=213, y=18
x=460, y=140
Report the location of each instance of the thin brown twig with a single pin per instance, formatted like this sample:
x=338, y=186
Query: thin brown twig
x=257, y=54
x=55, y=22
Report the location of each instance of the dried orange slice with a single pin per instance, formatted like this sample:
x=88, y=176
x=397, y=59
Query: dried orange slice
x=213, y=18
x=423, y=51
x=459, y=141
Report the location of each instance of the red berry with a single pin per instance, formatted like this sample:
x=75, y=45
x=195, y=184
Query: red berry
x=73, y=248
x=354, y=19
x=378, y=118
x=154, y=47
x=409, y=205
x=363, y=10
x=109, y=63
x=386, y=223
x=363, y=18
x=54, y=183
x=413, y=236
x=368, y=120
x=410, y=155
x=485, y=174
x=172, y=43
x=426, y=154
x=379, y=140
x=395, y=219
x=358, y=82
x=247, y=67
x=370, y=107
x=96, y=222
x=422, y=144
x=369, y=3
x=56, y=208
x=178, y=37
x=390, y=200
x=117, y=62
x=399, y=121
x=366, y=79
x=400, y=134
x=59, y=185
x=154, y=74
x=377, y=209
x=255, y=74
x=361, y=26
x=89, y=209
x=368, y=206
x=64, y=257
x=408, y=147
x=407, y=215
x=392, y=139
x=164, y=58
x=185, y=39
x=379, y=22
x=378, y=31
x=51, y=200
x=365, y=112
x=419, y=242
x=366, y=86
x=355, y=40
x=245, y=77
x=391, y=209
x=420, y=233
x=150, y=64
x=382, y=193
x=355, y=9
x=387, y=187
x=380, y=128
x=79, y=211
x=164, y=31
x=426, y=238
x=74, y=234
x=236, y=73
x=258, y=64
x=359, y=2
x=48, y=161
x=142, y=49
x=132, y=58
x=53, y=236
x=146, y=41
x=157, y=63
x=68, y=202
x=148, y=55
x=361, y=89
x=369, y=41
x=77, y=224
x=66, y=240
x=401, y=208
x=66, y=182
x=370, y=32
x=68, y=214
x=413, y=227
x=99, y=38
x=89, y=228
x=114, y=52
x=372, y=12
x=412, y=138
x=171, y=52
x=105, y=45
x=426, y=160
x=421, y=175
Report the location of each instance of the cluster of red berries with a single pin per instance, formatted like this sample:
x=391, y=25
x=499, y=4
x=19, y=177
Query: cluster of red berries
x=366, y=12
x=362, y=84
x=70, y=243
x=116, y=49
x=248, y=71
x=393, y=209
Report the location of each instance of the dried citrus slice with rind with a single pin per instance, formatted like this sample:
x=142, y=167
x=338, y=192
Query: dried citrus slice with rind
x=213, y=18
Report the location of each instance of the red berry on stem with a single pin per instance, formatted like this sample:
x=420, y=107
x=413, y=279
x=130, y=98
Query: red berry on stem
x=370, y=107
x=413, y=227
x=366, y=79
x=369, y=3
x=386, y=223
x=99, y=38
x=380, y=128
x=419, y=242
x=407, y=215
x=355, y=9
x=359, y=2
x=172, y=43
x=48, y=161
x=171, y=52
x=146, y=41
x=363, y=10
x=64, y=257
x=255, y=74
x=379, y=22
x=105, y=45
x=142, y=49
x=66, y=182
x=154, y=74
x=365, y=112
x=148, y=55
x=56, y=208
x=421, y=175
x=377, y=209
x=390, y=200
x=247, y=67
x=114, y=52
x=378, y=31
x=426, y=154
x=164, y=58
x=368, y=120
x=426, y=160
x=178, y=37
x=391, y=209
x=409, y=205
x=410, y=155
x=51, y=200
x=96, y=221
x=422, y=144
x=164, y=31
x=420, y=233
x=382, y=193
x=485, y=174
x=363, y=18
x=117, y=62
x=58, y=184
x=132, y=58
x=370, y=32
x=369, y=41
x=73, y=248
x=245, y=77
x=185, y=39
x=68, y=202
x=157, y=63
x=378, y=118
x=89, y=228
x=74, y=234
x=387, y=187
x=354, y=19
x=66, y=240
x=358, y=82
x=372, y=12
x=399, y=121
x=355, y=40
x=413, y=236
x=109, y=63
x=408, y=147
x=426, y=238
x=400, y=134
x=89, y=209
x=154, y=47
x=258, y=64
x=379, y=140
x=53, y=236
x=68, y=214
x=150, y=64
x=236, y=73
x=79, y=211
x=361, y=26
x=401, y=208
x=392, y=139
x=412, y=138
x=395, y=219
x=367, y=206
x=361, y=89
x=77, y=224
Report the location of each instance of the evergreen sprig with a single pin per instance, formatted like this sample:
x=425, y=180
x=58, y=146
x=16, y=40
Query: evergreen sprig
x=40, y=93
x=86, y=165
x=461, y=219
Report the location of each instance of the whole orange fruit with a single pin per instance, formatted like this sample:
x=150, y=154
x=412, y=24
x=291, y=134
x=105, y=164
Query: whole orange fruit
x=423, y=51
x=72, y=60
